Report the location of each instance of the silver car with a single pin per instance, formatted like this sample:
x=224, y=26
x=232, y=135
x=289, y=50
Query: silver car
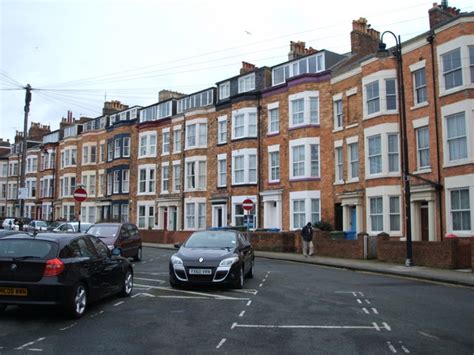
x=36, y=226
x=68, y=226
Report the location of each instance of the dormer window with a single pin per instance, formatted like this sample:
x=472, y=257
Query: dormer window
x=224, y=90
x=247, y=83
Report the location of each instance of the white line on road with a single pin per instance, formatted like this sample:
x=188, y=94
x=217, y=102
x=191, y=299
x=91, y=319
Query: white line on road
x=242, y=314
x=391, y=347
x=387, y=326
x=365, y=310
x=260, y=285
x=69, y=327
x=264, y=280
x=354, y=294
x=367, y=301
x=373, y=326
x=119, y=303
x=221, y=343
x=33, y=349
x=152, y=280
x=195, y=293
x=247, y=290
x=359, y=301
x=143, y=294
x=249, y=303
x=30, y=343
x=375, y=310
x=428, y=335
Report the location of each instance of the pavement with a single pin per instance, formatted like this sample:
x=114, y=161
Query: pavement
x=463, y=277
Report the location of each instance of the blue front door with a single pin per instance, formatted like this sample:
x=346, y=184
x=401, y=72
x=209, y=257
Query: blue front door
x=353, y=219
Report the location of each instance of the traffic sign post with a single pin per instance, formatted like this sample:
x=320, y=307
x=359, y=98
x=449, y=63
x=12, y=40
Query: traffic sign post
x=247, y=205
x=80, y=195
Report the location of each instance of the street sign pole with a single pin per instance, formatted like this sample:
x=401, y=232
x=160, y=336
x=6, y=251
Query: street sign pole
x=247, y=205
x=80, y=195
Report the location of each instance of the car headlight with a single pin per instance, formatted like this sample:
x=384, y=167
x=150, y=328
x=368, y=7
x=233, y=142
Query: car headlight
x=176, y=261
x=229, y=261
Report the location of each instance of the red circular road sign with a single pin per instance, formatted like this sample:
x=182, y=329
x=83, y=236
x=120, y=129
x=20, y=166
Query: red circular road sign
x=80, y=194
x=247, y=204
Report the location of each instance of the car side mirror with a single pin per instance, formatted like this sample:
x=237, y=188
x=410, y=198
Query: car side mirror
x=177, y=246
x=116, y=252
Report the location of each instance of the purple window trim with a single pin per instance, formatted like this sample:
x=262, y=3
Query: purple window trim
x=304, y=179
x=273, y=134
x=304, y=126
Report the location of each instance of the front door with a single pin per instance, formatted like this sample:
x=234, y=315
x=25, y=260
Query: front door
x=218, y=216
x=424, y=221
x=165, y=218
x=353, y=227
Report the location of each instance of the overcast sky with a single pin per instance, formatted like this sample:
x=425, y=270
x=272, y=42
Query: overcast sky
x=80, y=52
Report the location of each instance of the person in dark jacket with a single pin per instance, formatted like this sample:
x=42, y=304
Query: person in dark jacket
x=307, y=234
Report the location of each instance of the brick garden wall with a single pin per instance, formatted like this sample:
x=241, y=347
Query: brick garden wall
x=448, y=254
x=340, y=248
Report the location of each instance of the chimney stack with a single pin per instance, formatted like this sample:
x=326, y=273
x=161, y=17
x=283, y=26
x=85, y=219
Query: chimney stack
x=298, y=50
x=441, y=13
x=364, y=40
x=247, y=68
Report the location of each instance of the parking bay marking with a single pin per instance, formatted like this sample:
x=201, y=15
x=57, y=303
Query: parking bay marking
x=152, y=280
x=374, y=326
x=198, y=294
x=30, y=343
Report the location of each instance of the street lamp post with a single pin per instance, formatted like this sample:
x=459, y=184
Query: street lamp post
x=404, y=138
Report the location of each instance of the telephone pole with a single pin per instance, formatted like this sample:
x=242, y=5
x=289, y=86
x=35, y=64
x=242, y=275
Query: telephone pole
x=23, y=148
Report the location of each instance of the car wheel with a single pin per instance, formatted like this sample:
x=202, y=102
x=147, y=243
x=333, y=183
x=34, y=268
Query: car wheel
x=78, y=303
x=127, y=286
x=138, y=256
x=239, y=283
x=250, y=273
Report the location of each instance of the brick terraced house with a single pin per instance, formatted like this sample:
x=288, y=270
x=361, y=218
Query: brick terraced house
x=316, y=138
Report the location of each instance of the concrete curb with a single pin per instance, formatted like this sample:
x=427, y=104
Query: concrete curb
x=453, y=277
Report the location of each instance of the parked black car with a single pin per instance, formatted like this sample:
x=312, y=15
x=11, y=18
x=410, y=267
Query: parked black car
x=119, y=235
x=213, y=257
x=66, y=270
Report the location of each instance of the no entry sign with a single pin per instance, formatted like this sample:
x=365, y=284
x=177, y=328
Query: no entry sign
x=80, y=194
x=247, y=204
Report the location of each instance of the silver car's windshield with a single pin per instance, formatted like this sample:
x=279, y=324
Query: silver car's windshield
x=103, y=231
x=212, y=239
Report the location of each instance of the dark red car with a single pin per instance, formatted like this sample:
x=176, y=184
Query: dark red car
x=123, y=236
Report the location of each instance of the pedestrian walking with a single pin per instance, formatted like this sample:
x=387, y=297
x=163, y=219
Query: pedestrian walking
x=307, y=234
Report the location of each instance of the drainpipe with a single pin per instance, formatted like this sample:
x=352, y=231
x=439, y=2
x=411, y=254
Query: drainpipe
x=260, y=165
x=182, y=168
x=430, y=40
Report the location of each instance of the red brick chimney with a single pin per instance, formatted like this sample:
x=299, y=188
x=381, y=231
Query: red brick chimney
x=364, y=40
x=441, y=13
x=110, y=107
x=298, y=50
x=247, y=68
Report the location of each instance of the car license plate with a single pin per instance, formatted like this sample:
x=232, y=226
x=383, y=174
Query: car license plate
x=13, y=291
x=200, y=271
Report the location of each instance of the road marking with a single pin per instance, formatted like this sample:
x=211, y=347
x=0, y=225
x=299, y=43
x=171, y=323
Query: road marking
x=367, y=301
x=204, y=295
x=152, y=273
x=391, y=347
x=404, y=348
x=119, y=303
x=143, y=262
x=365, y=310
x=428, y=335
x=31, y=349
x=242, y=314
x=264, y=280
x=221, y=343
x=153, y=280
x=374, y=326
x=96, y=314
x=359, y=301
x=68, y=327
x=249, y=303
x=375, y=310
x=260, y=285
x=30, y=343
x=247, y=290
x=143, y=294
x=354, y=294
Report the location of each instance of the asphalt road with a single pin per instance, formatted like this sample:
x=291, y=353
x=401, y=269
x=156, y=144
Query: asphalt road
x=287, y=308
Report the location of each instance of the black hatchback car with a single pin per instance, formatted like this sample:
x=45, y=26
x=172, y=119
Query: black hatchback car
x=66, y=270
x=213, y=257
